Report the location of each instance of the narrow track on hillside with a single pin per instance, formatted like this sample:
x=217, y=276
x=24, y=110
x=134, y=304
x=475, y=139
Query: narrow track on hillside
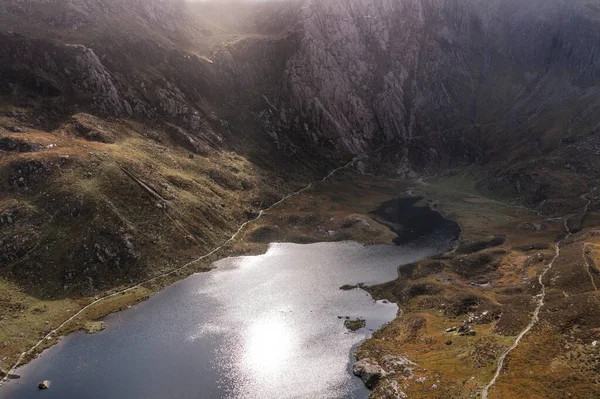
x=541, y=295
x=588, y=266
x=52, y=334
x=585, y=246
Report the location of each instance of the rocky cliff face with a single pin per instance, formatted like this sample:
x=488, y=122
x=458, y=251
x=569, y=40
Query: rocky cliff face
x=451, y=83
x=505, y=84
x=450, y=80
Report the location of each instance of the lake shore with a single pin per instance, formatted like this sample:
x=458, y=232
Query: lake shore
x=462, y=311
x=355, y=222
x=330, y=211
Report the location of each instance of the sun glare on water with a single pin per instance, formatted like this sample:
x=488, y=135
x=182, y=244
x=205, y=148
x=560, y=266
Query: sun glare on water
x=269, y=344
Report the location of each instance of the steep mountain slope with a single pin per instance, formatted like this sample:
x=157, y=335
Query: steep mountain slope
x=454, y=81
x=113, y=139
x=508, y=85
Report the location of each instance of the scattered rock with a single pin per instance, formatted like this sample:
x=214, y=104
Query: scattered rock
x=44, y=384
x=398, y=364
x=390, y=389
x=451, y=329
x=448, y=342
x=464, y=329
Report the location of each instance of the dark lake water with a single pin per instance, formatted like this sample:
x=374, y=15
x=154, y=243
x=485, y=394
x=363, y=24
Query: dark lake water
x=255, y=327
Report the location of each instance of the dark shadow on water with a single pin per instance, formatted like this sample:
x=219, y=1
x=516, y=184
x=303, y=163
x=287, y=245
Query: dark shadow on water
x=413, y=222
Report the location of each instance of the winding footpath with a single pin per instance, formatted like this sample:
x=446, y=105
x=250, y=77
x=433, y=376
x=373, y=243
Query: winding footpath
x=52, y=334
x=542, y=296
x=587, y=265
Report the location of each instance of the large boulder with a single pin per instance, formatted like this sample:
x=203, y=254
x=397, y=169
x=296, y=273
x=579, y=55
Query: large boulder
x=369, y=371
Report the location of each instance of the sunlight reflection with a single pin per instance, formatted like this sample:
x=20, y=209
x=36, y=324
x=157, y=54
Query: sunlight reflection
x=269, y=343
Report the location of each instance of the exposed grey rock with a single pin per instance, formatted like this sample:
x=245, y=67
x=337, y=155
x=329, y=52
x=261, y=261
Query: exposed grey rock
x=464, y=329
x=360, y=167
x=398, y=365
x=91, y=75
x=369, y=371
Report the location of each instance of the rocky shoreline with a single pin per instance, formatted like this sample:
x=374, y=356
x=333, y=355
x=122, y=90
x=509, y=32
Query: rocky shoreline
x=463, y=311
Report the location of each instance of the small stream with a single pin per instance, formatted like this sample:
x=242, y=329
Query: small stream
x=268, y=326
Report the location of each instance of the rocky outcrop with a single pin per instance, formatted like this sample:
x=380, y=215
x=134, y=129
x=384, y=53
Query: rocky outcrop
x=92, y=77
x=53, y=70
x=372, y=371
x=430, y=74
x=369, y=371
x=77, y=14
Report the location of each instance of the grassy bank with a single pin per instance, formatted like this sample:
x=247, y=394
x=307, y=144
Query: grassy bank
x=462, y=310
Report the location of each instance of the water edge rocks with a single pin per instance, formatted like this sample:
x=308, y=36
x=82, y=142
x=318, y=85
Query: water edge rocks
x=369, y=371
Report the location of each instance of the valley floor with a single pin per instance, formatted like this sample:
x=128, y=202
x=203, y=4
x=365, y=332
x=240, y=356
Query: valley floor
x=460, y=311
